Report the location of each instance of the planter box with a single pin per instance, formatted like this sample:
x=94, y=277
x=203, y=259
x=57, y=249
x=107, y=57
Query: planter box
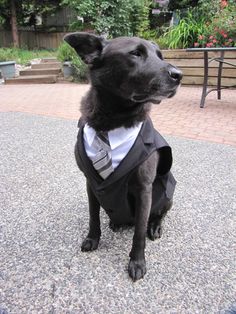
x=67, y=69
x=192, y=65
x=8, y=69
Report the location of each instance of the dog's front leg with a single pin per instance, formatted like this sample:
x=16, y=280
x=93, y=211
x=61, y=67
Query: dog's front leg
x=144, y=179
x=91, y=241
x=137, y=264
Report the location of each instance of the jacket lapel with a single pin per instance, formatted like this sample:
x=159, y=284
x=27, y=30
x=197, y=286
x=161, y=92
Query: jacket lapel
x=137, y=154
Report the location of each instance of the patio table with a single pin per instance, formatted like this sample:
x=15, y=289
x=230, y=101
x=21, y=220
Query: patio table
x=221, y=61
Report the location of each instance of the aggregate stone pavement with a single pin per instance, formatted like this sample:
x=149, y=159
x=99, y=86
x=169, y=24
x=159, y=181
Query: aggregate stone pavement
x=44, y=217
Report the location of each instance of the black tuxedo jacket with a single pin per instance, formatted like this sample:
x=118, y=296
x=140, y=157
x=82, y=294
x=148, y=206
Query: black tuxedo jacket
x=117, y=193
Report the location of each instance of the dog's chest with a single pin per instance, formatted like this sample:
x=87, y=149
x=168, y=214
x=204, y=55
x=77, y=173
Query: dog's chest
x=121, y=141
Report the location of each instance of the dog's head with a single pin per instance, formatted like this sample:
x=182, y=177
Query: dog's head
x=128, y=67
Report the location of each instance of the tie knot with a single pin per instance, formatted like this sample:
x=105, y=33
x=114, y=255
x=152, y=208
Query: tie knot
x=103, y=136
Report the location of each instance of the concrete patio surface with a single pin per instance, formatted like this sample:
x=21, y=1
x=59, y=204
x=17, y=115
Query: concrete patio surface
x=44, y=215
x=179, y=116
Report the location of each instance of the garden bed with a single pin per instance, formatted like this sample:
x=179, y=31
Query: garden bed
x=192, y=65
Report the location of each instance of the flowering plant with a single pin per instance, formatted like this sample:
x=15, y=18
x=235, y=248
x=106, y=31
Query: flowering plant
x=217, y=38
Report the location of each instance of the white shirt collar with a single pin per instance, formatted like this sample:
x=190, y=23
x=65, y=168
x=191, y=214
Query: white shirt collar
x=116, y=137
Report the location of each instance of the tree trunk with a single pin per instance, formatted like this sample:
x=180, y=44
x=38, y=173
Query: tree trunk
x=14, y=25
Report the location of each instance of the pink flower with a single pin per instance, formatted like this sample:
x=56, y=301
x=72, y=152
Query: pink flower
x=214, y=41
x=230, y=40
x=211, y=37
x=209, y=45
x=201, y=37
x=225, y=35
x=224, y=3
x=196, y=44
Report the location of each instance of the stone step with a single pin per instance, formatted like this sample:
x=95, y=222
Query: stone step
x=33, y=79
x=51, y=65
x=47, y=71
x=49, y=60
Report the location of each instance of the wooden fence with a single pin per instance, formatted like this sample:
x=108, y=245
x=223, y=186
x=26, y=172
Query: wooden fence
x=192, y=65
x=32, y=40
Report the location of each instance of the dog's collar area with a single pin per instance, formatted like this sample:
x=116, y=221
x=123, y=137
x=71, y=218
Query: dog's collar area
x=116, y=136
x=121, y=140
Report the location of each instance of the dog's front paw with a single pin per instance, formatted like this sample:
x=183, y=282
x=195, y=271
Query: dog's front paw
x=89, y=245
x=137, y=269
x=154, y=232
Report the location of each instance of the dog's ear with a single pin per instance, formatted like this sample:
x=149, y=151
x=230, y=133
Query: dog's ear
x=88, y=46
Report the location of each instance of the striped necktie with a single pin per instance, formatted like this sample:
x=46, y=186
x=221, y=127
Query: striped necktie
x=102, y=162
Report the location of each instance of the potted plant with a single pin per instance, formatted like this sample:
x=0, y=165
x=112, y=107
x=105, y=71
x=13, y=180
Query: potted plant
x=65, y=55
x=73, y=66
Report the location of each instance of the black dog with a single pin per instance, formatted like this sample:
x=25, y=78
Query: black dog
x=127, y=74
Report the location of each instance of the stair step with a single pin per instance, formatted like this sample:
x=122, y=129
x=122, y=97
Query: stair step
x=51, y=65
x=47, y=71
x=49, y=60
x=32, y=79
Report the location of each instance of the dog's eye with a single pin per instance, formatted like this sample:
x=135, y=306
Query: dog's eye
x=159, y=54
x=136, y=53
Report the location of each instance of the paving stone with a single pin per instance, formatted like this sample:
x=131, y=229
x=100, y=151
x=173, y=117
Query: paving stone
x=179, y=116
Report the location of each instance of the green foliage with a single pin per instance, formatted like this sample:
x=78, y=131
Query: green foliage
x=140, y=18
x=186, y=32
x=67, y=53
x=214, y=38
x=149, y=34
x=26, y=9
x=225, y=19
x=221, y=25
x=4, y=11
x=115, y=17
x=80, y=70
x=23, y=56
x=209, y=24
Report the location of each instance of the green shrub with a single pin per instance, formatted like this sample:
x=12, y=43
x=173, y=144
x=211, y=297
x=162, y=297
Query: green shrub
x=185, y=34
x=162, y=42
x=208, y=25
x=66, y=53
x=80, y=70
x=112, y=17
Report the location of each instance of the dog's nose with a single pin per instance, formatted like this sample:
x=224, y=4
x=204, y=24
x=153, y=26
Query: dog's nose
x=175, y=74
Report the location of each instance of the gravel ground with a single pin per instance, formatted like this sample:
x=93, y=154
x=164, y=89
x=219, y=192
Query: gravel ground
x=44, y=217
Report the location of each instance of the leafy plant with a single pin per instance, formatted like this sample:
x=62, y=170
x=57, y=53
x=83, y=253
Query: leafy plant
x=218, y=38
x=211, y=24
x=225, y=19
x=67, y=53
x=140, y=19
x=80, y=70
x=112, y=17
x=221, y=27
x=185, y=34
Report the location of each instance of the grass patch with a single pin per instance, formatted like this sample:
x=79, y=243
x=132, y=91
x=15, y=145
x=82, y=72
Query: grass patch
x=22, y=56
